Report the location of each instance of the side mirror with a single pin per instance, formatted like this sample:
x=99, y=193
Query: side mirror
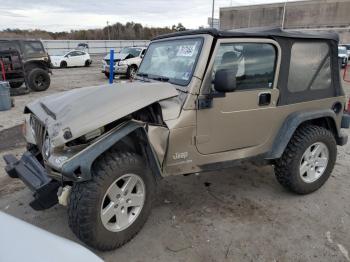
x=225, y=80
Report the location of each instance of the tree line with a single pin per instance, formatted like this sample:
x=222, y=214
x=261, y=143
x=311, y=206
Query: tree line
x=117, y=31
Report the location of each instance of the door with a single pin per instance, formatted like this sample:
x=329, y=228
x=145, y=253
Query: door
x=243, y=118
x=73, y=58
x=81, y=58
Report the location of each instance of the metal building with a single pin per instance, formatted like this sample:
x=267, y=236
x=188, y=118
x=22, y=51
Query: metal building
x=330, y=15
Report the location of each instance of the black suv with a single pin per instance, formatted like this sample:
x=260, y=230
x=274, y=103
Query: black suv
x=36, y=62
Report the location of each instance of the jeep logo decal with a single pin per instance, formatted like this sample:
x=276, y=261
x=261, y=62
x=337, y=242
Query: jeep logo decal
x=178, y=156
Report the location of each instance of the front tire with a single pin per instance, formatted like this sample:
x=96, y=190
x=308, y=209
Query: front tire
x=38, y=79
x=109, y=210
x=308, y=160
x=131, y=72
x=63, y=64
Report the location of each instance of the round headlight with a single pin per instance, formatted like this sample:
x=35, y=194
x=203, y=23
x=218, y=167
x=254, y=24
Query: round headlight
x=46, y=150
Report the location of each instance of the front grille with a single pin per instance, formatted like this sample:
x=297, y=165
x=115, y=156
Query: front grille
x=115, y=61
x=38, y=130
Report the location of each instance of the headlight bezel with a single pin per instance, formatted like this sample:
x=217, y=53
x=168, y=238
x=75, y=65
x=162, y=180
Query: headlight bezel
x=123, y=63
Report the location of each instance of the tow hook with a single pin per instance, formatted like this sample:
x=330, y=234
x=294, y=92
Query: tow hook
x=63, y=195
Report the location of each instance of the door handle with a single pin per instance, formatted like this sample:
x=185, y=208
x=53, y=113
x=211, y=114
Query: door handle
x=264, y=99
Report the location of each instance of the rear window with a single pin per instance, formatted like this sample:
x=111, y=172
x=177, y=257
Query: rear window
x=33, y=47
x=4, y=45
x=310, y=67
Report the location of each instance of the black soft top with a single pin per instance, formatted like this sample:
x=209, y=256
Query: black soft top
x=256, y=32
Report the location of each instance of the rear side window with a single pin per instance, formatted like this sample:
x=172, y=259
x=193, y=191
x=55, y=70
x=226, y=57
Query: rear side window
x=252, y=63
x=310, y=67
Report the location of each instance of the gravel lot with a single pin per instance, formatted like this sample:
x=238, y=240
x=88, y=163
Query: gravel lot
x=239, y=214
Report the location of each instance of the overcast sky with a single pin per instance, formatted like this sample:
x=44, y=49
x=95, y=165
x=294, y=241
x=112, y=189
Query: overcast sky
x=64, y=15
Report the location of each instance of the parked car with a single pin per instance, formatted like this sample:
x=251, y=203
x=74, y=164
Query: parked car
x=36, y=62
x=82, y=46
x=11, y=68
x=347, y=49
x=71, y=59
x=202, y=100
x=343, y=56
x=126, y=62
x=29, y=246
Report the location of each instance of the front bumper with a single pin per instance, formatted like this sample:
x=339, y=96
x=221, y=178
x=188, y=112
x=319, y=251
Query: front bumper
x=117, y=69
x=35, y=177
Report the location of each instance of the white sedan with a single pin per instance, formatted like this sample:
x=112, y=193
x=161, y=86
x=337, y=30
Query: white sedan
x=71, y=58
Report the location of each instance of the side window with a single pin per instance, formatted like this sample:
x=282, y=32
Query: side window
x=75, y=53
x=33, y=47
x=310, y=67
x=252, y=63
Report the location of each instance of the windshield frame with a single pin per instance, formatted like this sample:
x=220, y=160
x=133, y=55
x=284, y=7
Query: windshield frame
x=170, y=39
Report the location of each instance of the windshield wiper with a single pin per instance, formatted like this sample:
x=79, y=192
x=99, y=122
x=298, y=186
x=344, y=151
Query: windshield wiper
x=160, y=78
x=144, y=76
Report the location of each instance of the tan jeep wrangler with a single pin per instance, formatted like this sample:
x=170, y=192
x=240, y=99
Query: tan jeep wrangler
x=202, y=100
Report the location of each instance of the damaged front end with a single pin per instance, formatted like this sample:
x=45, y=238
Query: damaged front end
x=49, y=165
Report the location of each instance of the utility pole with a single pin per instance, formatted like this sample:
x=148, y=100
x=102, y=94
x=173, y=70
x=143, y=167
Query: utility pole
x=109, y=35
x=212, y=14
x=284, y=13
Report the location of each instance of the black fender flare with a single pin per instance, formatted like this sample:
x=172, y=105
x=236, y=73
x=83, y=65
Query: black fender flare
x=290, y=125
x=31, y=64
x=78, y=168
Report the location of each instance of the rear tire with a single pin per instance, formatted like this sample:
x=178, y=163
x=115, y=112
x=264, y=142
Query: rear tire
x=38, y=79
x=87, y=63
x=308, y=160
x=16, y=84
x=88, y=201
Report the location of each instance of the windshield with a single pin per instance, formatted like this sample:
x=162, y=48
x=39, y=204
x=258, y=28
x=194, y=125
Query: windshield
x=171, y=60
x=342, y=51
x=132, y=51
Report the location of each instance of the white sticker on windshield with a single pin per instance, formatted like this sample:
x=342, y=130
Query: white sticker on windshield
x=186, y=50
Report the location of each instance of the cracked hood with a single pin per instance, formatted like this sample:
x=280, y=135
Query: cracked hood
x=83, y=110
x=117, y=56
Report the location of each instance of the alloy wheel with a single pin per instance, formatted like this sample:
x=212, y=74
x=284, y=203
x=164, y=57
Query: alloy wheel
x=314, y=162
x=123, y=202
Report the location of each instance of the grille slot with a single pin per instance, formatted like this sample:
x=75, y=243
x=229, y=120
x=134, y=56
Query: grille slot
x=39, y=131
x=115, y=61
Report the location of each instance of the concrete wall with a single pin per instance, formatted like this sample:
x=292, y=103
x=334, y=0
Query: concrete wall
x=95, y=46
x=315, y=14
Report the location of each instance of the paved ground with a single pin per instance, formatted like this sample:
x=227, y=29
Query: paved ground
x=239, y=214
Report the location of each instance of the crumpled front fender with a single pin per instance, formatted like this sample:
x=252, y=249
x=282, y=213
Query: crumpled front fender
x=78, y=168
